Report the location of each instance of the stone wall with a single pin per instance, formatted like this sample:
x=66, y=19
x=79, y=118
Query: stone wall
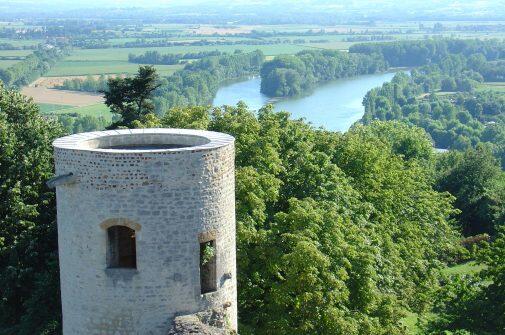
x=171, y=198
x=209, y=322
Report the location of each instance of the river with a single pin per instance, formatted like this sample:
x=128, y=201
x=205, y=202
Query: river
x=335, y=105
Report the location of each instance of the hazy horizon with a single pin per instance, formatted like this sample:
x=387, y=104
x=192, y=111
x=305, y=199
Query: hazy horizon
x=437, y=9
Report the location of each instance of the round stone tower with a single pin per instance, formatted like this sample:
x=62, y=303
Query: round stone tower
x=146, y=228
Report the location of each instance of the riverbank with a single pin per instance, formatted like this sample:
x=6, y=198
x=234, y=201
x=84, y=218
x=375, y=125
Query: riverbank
x=334, y=105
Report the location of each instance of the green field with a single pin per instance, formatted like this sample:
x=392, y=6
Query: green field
x=15, y=52
x=493, y=86
x=111, y=61
x=80, y=68
x=115, y=60
x=97, y=110
x=337, y=45
x=121, y=54
x=20, y=42
x=48, y=108
x=6, y=63
x=463, y=269
x=410, y=321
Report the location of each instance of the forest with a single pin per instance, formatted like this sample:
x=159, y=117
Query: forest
x=297, y=74
x=441, y=97
x=423, y=52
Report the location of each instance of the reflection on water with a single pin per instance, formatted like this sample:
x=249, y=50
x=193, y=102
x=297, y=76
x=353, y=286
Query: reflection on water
x=335, y=105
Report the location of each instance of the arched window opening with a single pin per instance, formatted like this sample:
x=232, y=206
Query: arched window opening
x=121, y=247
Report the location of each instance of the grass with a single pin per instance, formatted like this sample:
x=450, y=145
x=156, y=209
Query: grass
x=411, y=318
x=121, y=54
x=410, y=321
x=493, y=86
x=463, y=269
x=335, y=45
x=113, y=61
x=48, y=108
x=6, y=63
x=21, y=43
x=96, y=110
x=81, y=68
x=15, y=52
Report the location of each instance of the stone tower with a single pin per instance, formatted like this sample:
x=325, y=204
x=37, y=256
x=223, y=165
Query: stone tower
x=146, y=228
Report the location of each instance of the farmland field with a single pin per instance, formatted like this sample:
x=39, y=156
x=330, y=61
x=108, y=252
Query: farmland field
x=493, y=86
x=47, y=108
x=21, y=42
x=121, y=54
x=15, y=53
x=6, y=63
x=96, y=110
x=83, y=62
x=59, y=97
x=82, y=68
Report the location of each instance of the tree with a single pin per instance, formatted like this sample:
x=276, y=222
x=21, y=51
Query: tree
x=449, y=84
x=334, y=232
x=29, y=298
x=476, y=180
x=131, y=97
x=474, y=303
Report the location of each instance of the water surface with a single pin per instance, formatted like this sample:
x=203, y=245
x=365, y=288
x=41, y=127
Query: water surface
x=335, y=105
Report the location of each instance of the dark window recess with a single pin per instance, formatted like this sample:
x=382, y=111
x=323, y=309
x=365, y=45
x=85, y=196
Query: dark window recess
x=121, y=248
x=208, y=280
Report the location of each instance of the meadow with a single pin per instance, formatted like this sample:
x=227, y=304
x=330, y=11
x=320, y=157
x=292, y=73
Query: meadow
x=96, y=110
x=121, y=54
x=115, y=61
x=15, y=53
x=6, y=63
x=48, y=108
x=21, y=42
x=95, y=67
x=493, y=86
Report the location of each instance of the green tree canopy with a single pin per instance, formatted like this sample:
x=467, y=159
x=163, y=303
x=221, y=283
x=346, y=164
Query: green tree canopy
x=29, y=280
x=130, y=97
x=337, y=234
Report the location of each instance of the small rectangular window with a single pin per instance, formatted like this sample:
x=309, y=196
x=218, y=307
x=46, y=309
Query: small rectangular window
x=121, y=244
x=208, y=277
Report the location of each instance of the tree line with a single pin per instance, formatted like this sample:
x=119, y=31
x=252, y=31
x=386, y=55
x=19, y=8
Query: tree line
x=424, y=52
x=198, y=82
x=31, y=67
x=88, y=84
x=441, y=98
x=102, y=43
x=10, y=46
x=297, y=74
x=154, y=57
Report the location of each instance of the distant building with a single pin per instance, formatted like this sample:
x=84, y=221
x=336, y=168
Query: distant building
x=146, y=230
